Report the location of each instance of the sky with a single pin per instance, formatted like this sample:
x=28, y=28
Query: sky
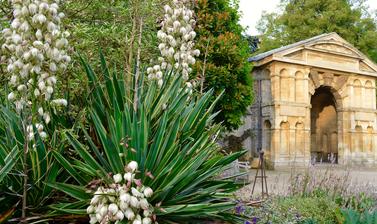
x=252, y=11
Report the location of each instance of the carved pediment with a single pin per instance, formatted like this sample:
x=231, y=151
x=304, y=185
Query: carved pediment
x=336, y=48
x=327, y=51
x=298, y=55
x=365, y=67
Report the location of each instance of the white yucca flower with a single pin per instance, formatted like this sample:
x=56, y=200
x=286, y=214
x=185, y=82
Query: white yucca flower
x=117, y=178
x=176, y=39
x=148, y=192
x=132, y=166
x=35, y=51
x=125, y=199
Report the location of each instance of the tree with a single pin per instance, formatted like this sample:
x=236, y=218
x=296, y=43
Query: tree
x=111, y=25
x=114, y=26
x=302, y=19
x=253, y=43
x=223, y=63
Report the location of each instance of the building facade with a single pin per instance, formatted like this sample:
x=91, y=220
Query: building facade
x=315, y=100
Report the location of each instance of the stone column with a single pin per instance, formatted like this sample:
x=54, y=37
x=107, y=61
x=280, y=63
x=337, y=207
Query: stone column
x=275, y=85
x=275, y=143
x=292, y=145
x=344, y=138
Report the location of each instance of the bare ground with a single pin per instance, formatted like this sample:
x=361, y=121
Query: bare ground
x=280, y=181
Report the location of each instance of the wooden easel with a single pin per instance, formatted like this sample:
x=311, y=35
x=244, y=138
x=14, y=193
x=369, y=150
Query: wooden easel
x=261, y=166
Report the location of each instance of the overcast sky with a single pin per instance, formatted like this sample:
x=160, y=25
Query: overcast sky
x=252, y=11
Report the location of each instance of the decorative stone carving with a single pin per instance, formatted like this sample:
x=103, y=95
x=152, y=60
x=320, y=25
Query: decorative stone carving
x=327, y=79
x=314, y=76
x=333, y=47
x=340, y=82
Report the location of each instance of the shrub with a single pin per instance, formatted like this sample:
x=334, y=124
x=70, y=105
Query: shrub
x=223, y=64
x=172, y=137
x=321, y=210
x=294, y=210
x=360, y=202
x=41, y=165
x=34, y=50
x=354, y=217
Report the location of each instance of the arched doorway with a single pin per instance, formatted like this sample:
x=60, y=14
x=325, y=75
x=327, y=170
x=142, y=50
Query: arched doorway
x=324, y=127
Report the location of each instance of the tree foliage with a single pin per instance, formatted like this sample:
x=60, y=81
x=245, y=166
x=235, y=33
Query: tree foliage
x=302, y=19
x=167, y=130
x=223, y=63
x=114, y=25
x=111, y=25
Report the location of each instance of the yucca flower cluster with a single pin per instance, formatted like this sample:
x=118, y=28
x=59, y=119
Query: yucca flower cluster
x=35, y=51
x=176, y=39
x=126, y=198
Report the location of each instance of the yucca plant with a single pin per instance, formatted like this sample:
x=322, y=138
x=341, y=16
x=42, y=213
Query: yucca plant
x=42, y=167
x=42, y=57
x=172, y=137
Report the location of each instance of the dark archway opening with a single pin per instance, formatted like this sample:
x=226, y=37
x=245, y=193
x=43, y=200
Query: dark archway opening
x=324, y=126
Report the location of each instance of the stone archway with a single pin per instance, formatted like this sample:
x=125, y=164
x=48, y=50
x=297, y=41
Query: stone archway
x=319, y=95
x=324, y=126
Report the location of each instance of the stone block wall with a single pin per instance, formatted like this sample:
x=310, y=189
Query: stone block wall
x=295, y=130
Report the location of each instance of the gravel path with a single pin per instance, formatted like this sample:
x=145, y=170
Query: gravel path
x=280, y=181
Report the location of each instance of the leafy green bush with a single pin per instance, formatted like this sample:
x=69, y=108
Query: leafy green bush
x=321, y=210
x=170, y=134
x=360, y=202
x=302, y=210
x=223, y=64
x=351, y=216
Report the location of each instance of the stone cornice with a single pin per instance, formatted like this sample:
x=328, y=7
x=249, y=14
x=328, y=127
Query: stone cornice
x=330, y=68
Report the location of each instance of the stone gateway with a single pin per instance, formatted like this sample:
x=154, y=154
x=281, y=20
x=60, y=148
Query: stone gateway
x=315, y=100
